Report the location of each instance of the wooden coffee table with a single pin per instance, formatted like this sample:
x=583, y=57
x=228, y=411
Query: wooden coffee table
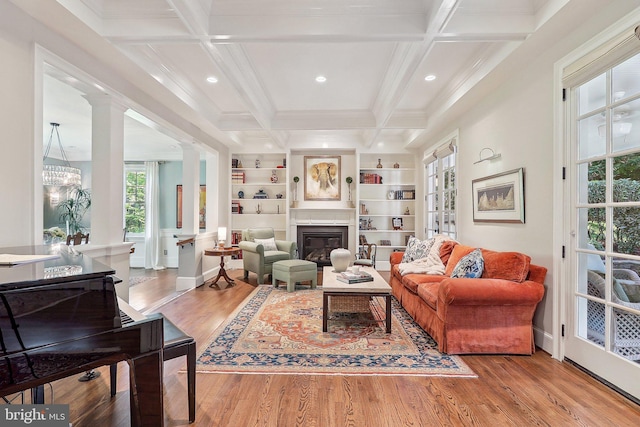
x=331, y=286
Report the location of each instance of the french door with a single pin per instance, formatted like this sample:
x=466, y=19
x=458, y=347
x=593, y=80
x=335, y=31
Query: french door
x=603, y=293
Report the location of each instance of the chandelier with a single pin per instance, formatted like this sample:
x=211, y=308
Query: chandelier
x=59, y=175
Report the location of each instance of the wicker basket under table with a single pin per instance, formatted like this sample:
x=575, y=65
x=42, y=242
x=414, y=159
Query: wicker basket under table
x=349, y=304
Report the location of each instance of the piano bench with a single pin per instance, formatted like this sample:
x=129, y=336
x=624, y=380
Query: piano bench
x=176, y=344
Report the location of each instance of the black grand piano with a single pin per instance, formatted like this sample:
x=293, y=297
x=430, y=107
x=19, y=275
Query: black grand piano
x=60, y=317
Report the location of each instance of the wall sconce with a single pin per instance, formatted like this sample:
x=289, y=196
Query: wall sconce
x=492, y=156
x=222, y=236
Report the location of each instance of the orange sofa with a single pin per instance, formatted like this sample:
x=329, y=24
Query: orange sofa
x=492, y=314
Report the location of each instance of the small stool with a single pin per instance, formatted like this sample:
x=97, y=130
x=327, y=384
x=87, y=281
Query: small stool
x=294, y=270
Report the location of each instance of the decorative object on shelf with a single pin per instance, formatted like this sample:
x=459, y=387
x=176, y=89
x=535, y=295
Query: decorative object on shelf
x=407, y=211
x=59, y=175
x=396, y=165
x=379, y=165
x=274, y=177
x=340, y=259
x=257, y=163
x=349, y=181
x=499, y=198
x=492, y=156
x=234, y=163
x=235, y=208
x=363, y=239
x=240, y=194
x=391, y=194
x=239, y=164
x=258, y=209
x=261, y=195
x=322, y=178
x=397, y=223
x=284, y=162
x=279, y=196
x=385, y=242
x=222, y=236
x=294, y=203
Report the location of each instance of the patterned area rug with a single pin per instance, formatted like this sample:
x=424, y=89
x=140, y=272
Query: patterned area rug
x=277, y=332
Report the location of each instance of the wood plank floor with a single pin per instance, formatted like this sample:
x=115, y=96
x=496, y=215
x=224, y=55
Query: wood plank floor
x=509, y=390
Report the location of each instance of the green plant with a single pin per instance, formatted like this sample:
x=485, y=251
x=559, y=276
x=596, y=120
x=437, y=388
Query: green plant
x=74, y=207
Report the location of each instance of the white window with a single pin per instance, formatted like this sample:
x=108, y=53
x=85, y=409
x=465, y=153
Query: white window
x=134, y=204
x=440, y=192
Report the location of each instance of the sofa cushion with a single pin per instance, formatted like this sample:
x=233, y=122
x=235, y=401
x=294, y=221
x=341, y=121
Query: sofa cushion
x=446, y=249
x=428, y=292
x=456, y=255
x=272, y=256
x=416, y=249
x=469, y=266
x=269, y=244
x=512, y=266
x=412, y=281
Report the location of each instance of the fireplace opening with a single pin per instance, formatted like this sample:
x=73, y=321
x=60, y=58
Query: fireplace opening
x=315, y=243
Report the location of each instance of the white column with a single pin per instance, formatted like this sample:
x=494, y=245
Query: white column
x=107, y=163
x=214, y=216
x=190, y=189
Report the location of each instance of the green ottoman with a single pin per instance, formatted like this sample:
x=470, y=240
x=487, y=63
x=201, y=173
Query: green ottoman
x=293, y=271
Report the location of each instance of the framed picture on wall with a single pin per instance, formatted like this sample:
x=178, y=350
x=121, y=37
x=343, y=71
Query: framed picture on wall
x=322, y=177
x=499, y=198
x=202, y=210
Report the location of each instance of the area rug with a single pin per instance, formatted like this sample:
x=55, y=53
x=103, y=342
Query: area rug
x=279, y=332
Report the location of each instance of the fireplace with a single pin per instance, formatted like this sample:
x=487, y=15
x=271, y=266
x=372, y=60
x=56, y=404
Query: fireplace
x=315, y=243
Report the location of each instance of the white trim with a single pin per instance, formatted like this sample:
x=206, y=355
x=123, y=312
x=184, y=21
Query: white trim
x=442, y=148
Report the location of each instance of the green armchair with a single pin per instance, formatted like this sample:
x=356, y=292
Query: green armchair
x=260, y=250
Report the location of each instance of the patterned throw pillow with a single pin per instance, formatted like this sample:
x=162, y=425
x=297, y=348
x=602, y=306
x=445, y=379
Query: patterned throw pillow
x=470, y=266
x=269, y=244
x=416, y=249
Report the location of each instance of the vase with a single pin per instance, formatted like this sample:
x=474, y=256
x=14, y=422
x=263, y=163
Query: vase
x=340, y=259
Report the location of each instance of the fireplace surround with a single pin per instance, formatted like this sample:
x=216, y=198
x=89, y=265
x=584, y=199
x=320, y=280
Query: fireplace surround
x=316, y=242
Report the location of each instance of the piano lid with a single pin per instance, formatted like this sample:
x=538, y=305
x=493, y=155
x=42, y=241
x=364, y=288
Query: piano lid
x=70, y=265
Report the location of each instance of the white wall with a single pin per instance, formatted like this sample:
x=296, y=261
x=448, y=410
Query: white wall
x=515, y=118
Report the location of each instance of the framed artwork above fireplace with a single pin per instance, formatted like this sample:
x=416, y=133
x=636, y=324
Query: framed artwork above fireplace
x=322, y=178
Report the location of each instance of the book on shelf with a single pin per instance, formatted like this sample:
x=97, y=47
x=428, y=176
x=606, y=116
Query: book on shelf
x=350, y=277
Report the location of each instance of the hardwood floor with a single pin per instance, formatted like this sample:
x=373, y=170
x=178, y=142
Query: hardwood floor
x=509, y=390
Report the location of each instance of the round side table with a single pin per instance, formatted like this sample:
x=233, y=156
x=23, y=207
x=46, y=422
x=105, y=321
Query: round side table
x=222, y=252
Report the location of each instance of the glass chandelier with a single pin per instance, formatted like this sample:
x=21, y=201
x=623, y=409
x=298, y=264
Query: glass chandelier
x=59, y=175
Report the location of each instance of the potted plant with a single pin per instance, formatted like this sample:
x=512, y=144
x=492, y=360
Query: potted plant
x=295, y=192
x=73, y=209
x=349, y=181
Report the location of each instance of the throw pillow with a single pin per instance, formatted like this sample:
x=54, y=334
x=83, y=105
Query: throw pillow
x=469, y=266
x=269, y=244
x=416, y=249
x=456, y=255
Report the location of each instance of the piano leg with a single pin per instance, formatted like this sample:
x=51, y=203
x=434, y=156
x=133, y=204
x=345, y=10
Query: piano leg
x=145, y=390
x=37, y=395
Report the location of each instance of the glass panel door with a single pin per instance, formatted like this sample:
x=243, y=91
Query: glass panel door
x=604, y=299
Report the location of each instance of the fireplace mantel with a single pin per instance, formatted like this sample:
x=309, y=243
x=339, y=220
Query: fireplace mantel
x=308, y=216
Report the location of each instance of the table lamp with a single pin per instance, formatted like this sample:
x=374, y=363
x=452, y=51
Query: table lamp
x=222, y=236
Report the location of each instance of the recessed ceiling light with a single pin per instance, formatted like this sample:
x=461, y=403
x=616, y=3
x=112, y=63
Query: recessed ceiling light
x=321, y=79
x=430, y=77
x=212, y=79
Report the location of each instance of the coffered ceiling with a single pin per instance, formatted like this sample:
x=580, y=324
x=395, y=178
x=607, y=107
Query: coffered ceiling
x=265, y=56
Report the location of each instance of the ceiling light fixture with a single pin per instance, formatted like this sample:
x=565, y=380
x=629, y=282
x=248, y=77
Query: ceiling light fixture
x=212, y=79
x=59, y=175
x=321, y=79
x=430, y=78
